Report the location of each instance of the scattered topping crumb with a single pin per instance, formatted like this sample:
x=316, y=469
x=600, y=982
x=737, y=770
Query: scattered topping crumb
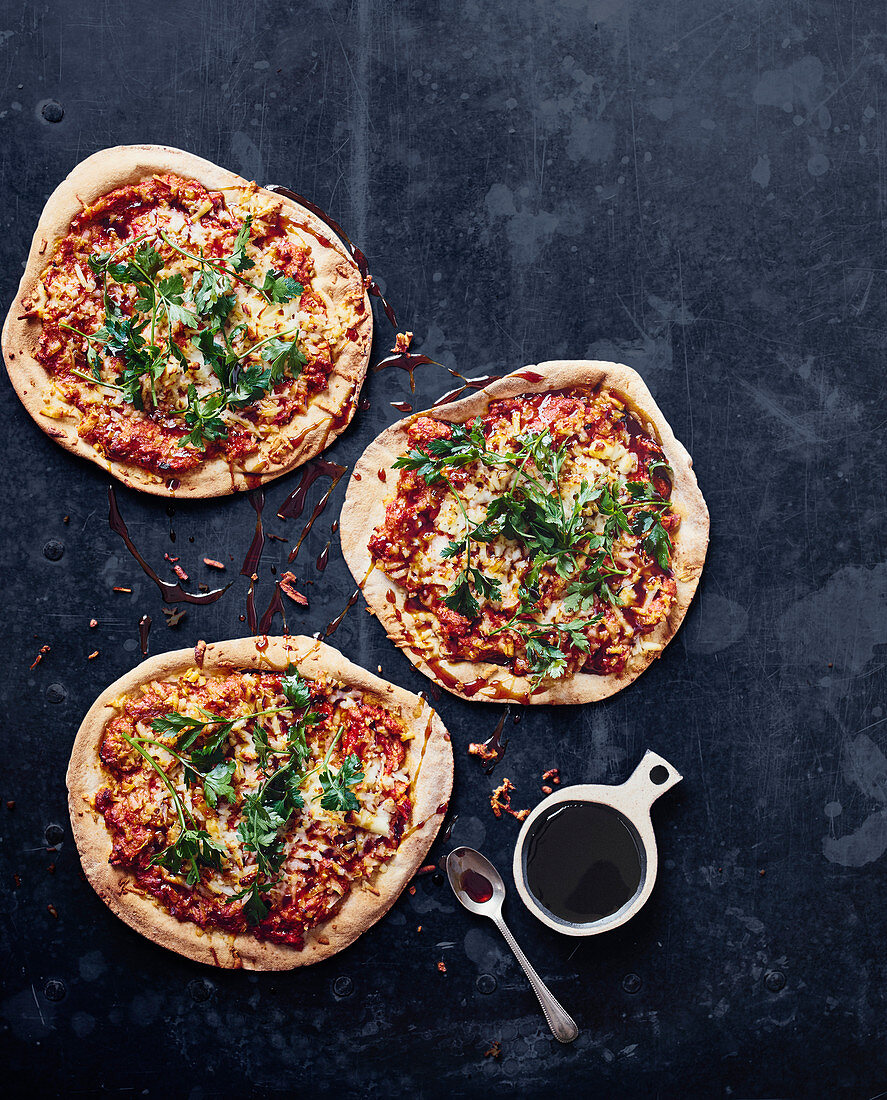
x=402, y=342
x=53, y=912
x=427, y=869
x=213, y=564
x=170, y=559
x=66, y=519
x=93, y=623
x=547, y=790
x=412, y=889
x=287, y=582
x=442, y=967
x=10, y=804
x=495, y=1050
x=180, y=572
x=120, y=588
x=419, y=929
x=93, y=655
x=174, y=615
x=553, y=774
x=500, y=801
x=276, y=538
x=44, y=649
x=51, y=868
x=483, y=751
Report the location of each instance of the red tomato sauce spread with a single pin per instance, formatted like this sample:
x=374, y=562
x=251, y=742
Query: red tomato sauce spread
x=324, y=854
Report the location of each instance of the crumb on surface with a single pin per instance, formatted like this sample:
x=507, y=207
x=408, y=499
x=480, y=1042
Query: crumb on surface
x=402, y=342
x=500, y=801
x=213, y=563
x=442, y=967
x=93, y=623
x=44, y=649
x=287, y=583
x=120, y=588
x=480, y=749
x=494, y=1050
x=92, y=656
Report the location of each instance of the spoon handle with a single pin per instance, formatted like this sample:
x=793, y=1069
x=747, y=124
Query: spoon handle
x=562, y=1025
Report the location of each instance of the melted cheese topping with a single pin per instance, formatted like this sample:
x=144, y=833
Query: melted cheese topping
x=606, y=445
x=201, y=223
x=325, y=852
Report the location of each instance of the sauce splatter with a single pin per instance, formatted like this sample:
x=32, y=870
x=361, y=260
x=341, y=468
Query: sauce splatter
x=172, y=593
x=408, y=361
x=274, y=607
x=294, y=504
x=144, y=629
x=467, y=384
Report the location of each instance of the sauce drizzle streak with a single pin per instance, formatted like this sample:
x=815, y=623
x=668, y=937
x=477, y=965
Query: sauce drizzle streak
x=172, y=593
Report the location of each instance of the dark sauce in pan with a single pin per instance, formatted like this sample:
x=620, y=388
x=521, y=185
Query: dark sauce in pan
x=582, y=861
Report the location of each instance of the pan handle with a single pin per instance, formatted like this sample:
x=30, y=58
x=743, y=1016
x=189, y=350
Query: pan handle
x=650, y=779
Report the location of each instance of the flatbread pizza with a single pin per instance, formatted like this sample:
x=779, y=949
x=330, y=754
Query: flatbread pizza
x=538, y=541
x=256, y=805
x=188, y=331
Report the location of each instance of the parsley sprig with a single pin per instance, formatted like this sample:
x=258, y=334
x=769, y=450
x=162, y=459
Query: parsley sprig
x=193, y=847
x=198, y=741
x=276, y=287
x=267, y=811
x=555, y=531
x=240, y=386
x=164, y=300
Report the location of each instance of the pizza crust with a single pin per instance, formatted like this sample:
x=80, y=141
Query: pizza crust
x=328, y=413
x=429, y=762
x=364, y=510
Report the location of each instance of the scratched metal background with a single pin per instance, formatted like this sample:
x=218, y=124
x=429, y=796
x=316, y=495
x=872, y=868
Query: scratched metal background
x=696, y=189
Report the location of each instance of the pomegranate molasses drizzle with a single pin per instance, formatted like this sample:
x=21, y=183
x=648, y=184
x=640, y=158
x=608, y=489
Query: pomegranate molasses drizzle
x=172, y=593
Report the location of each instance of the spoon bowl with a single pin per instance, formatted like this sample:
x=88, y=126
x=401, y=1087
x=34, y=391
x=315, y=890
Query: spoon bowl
x=479, y=887
x=475, y=882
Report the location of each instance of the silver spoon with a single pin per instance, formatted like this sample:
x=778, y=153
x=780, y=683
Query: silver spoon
x=479, y=886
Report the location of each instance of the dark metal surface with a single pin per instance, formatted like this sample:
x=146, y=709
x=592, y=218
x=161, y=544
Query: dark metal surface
x=695, y=189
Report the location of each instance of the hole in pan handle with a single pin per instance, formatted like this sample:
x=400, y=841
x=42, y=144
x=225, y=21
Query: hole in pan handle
x=651, y=778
